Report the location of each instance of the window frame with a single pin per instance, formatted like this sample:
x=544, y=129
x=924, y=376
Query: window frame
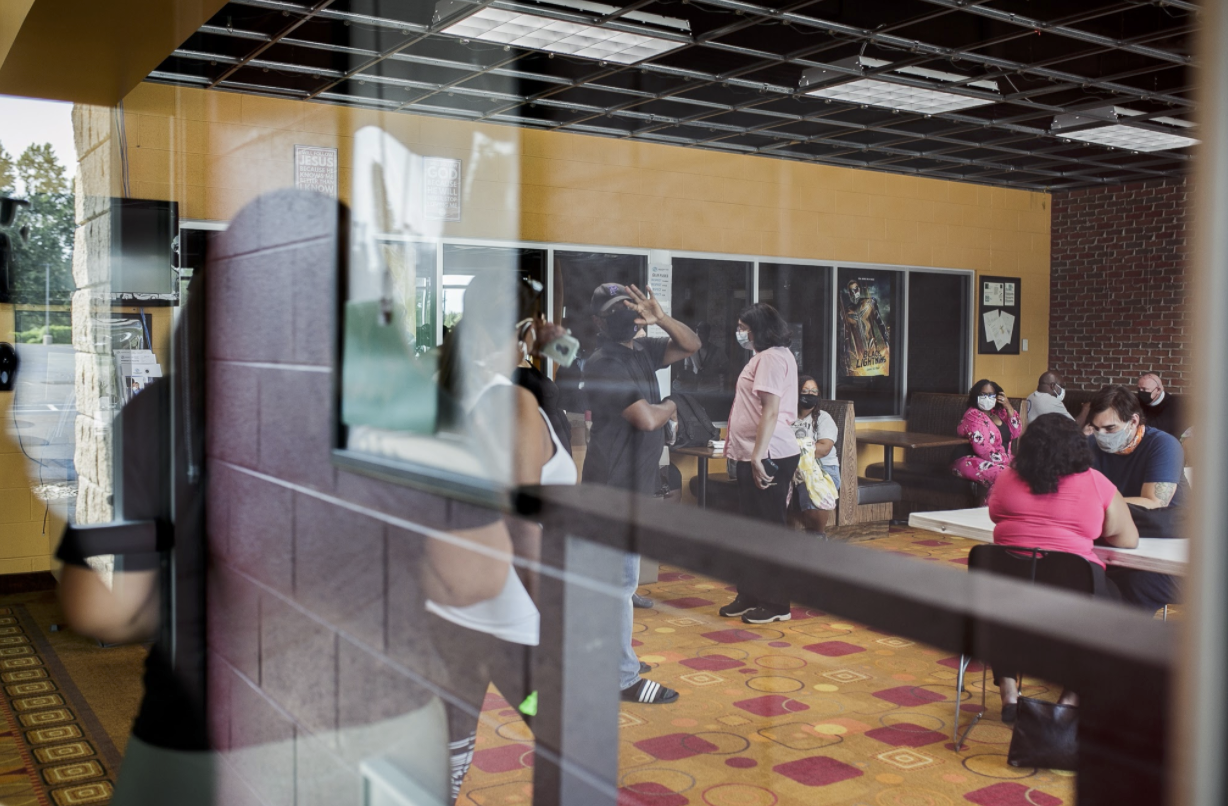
x=463, y=487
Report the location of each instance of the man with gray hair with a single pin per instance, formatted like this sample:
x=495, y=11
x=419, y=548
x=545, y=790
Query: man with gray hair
x=1162, y=411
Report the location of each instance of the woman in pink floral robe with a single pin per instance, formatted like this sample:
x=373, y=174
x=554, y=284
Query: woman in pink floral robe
x=990, y=423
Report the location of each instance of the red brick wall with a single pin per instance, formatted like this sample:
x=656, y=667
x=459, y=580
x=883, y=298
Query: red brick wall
x=1118, y=290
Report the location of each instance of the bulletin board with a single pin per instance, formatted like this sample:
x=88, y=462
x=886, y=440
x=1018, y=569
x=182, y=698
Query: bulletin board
x=998, y=321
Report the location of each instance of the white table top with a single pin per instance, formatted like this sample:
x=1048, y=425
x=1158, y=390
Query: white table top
x=1162, y=555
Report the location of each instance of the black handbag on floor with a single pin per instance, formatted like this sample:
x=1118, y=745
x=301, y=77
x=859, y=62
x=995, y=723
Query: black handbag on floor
x=1045, y=736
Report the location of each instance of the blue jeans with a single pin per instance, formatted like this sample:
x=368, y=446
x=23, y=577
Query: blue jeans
x=628, y=663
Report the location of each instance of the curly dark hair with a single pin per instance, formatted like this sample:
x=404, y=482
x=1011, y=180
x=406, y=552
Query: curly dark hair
x=976, y=390
x=1052, y=448
x=767, y=327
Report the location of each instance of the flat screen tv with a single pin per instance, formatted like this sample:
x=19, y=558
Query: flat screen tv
x=142, y=242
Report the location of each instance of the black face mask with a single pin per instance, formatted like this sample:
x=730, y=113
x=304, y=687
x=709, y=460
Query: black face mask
x=1144, y=399
x=620, y=326
x=808, y=401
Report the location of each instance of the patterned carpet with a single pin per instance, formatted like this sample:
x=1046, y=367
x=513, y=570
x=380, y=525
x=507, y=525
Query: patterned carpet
x=53, y=750
x=814, y=710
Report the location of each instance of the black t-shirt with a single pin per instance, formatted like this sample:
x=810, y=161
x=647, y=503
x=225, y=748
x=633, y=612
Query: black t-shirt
x=1166, y=416
x=614, y=378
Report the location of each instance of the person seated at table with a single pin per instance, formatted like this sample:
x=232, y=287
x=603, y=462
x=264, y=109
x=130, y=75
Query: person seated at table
x=1146, y=465
x=989, y=424
x=1051, y=498
x=816, y=433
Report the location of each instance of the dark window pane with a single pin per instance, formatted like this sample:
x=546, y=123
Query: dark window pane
x=802, y=294
x=937, y=332
x=711, y=293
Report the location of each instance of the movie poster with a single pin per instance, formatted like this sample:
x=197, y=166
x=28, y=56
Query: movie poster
x=864, y=310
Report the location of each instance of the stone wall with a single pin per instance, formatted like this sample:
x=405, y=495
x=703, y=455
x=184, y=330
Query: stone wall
x=95, y=380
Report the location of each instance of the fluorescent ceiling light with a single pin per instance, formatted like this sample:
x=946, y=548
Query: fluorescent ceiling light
x=840, y=86
x=1100, y=126
x=524, y=29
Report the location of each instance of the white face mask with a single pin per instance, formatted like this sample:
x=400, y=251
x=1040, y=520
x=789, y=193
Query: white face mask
x=986, y=402
x=743, y=337
x=1113, y=443
x=1061, y=395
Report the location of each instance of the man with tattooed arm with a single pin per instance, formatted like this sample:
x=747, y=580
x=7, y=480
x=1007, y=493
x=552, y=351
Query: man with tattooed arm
x=1146, y=465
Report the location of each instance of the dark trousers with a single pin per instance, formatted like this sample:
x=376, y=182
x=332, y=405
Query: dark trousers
x=1145, y=589
x=473, y=661
x=764, y=505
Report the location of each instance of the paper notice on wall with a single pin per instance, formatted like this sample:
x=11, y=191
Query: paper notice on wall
x=999, y=327
x=992, y=294
x=315, y=168
x=661, y=282
x=1008, y=295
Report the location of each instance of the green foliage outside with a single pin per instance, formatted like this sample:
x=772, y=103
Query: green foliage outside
x=60, y=334
x=38, y=177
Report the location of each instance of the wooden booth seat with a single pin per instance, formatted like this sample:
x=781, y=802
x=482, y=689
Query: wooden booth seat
x=861, y=500
x=925, y=473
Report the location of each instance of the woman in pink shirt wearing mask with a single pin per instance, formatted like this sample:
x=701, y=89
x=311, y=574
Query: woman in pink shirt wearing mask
x=761, y=442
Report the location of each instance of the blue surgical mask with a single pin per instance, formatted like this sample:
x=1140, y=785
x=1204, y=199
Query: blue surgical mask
x=743, y=337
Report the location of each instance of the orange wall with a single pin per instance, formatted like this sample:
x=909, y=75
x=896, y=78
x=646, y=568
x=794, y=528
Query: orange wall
x=214, y=151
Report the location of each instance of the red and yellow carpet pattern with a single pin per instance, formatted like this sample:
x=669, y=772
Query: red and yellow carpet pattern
x=53, y=752
x=813, y=710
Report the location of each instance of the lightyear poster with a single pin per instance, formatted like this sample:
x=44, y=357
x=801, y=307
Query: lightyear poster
x=864, y=310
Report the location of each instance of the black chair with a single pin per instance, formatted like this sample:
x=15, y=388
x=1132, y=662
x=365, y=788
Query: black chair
x=1057, y=569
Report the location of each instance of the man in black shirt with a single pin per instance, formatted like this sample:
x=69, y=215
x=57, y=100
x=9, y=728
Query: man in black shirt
x=629, y=421
x=1162, y=410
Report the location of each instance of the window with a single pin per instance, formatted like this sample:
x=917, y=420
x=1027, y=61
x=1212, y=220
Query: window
x=708, y=294
x=802, y=294
x=938, y=338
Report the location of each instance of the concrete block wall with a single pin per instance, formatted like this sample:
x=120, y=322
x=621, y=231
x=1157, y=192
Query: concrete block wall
x=317, y=656
x=1120, y=301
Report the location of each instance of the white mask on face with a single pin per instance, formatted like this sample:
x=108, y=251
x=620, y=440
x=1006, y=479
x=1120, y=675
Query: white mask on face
x=1113, y=443
x=743, y=338
x=986, y=402
x=1061, y=395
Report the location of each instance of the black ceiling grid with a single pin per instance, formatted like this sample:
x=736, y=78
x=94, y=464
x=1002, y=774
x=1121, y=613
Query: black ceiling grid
x=733, y=84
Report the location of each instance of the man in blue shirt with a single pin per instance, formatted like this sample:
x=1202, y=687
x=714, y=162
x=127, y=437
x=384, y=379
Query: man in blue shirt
x=1147, y=467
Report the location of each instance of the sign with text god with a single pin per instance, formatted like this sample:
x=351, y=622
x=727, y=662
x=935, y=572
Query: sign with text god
x=441, y=189
x=315, y=168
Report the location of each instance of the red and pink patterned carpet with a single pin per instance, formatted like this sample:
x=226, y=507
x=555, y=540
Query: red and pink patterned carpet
x=813, y=710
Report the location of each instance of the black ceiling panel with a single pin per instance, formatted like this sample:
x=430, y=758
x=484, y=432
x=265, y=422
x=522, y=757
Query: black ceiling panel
x=733, y=83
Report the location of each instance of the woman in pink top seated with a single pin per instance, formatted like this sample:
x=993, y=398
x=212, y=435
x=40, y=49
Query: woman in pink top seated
x=1051, y=499
x=761, y=444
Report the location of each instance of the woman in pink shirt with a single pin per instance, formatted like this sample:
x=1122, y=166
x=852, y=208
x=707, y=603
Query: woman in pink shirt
x=761, y=443
x=1051, y=499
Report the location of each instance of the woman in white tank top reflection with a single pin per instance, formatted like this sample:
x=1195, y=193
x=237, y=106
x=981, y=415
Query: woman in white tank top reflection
x=483, y=619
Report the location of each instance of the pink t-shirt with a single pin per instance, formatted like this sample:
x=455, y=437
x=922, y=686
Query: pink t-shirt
x=1067, y=520
x=774, y=370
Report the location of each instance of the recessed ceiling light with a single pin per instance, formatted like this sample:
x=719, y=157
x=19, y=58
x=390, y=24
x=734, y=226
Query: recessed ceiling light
x=1102, y=126
x=518, y=26
x=840, y=86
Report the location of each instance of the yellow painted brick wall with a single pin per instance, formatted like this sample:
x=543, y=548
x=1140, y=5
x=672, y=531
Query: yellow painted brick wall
x=23, y=546
x=215, y=151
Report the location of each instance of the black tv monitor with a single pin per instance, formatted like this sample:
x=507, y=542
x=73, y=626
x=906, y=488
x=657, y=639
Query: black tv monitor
x=142, y=242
